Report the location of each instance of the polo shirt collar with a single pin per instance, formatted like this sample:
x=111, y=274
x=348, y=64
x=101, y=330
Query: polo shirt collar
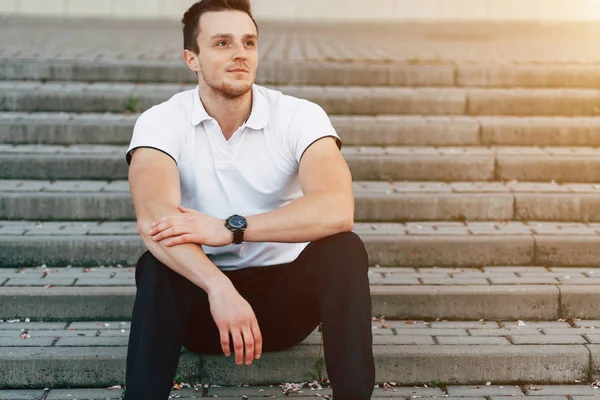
x=259, y=115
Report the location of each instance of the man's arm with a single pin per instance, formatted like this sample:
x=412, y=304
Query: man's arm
x=154, y=183
x=326, y=208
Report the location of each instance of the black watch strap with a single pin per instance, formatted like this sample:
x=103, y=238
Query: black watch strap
x=238, y=237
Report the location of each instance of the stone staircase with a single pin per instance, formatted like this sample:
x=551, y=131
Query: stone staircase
x=476, y=195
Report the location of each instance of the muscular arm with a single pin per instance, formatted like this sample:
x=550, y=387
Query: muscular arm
x=154, y=183
x=326, y=208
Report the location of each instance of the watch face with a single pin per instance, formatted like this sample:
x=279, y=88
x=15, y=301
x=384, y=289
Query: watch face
x=237, y=222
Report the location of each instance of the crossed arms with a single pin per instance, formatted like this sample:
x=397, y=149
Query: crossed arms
x=173, y=234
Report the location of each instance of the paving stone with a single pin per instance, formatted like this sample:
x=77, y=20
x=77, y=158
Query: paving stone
x=574, y=270
x=77, y=186
x=504, y=332
x=466, y=303
x=431, y=332
x=110, y=325
x=552, y=207
x=111, y=333
x=536, y=324
x=33, y=325
x=546, y=273
x=523, y=281
x=580, y=301
x=30, y=342
x=118, y=281
x=390, y=279
x=500, y=229
x=552, y=230
x=382, y=340
x=22, y=186
x=454, y=281
x=13, y=231
x=403, y=340
x=54, y=333
x=528, y=397
x=482, y=340
x=465, y=324
x=452, y=251
x=21, y=394
x=258, y=391
x=582, y=323
x=512, y=269
x=568, y=331
x=107, y=366
x=92, y=341
x=483, y=390
x=379, y=331
x=53, y=281
x=593, y=338
x=410, y=324
x=547, y=339
x=517, y=102
x=561, y=390
x=84, y=394
x=580, y=281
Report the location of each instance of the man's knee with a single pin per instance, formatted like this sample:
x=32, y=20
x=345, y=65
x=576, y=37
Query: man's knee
x=149, y=266
x=349, y=249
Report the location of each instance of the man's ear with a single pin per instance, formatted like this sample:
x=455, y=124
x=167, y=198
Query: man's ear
x=191, y=60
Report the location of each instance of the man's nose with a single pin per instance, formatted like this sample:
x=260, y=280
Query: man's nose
x=238, y=51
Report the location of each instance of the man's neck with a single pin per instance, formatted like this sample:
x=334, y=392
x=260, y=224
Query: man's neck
x=229, y=113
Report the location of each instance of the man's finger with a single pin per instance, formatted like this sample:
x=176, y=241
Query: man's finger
x=249, y=344
x=238, y=347
x=181, y=239
x=162, y=225
x=167, y=233
x=257, y=339
x=224, y=333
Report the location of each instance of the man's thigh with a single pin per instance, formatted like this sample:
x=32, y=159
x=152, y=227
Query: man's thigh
x=286, y=309
x=282, y=298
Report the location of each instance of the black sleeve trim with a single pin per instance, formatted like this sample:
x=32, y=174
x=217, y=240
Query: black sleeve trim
x=129, y=153
x=338, y=142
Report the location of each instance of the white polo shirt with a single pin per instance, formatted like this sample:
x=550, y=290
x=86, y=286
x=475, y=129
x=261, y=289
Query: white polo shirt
x=254, y=172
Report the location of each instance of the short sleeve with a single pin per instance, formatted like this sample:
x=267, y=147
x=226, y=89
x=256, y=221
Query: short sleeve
x=309, y=124
x=152, y=129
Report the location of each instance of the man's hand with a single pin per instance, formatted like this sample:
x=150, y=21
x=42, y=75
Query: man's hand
x=234, y=316
x=191, y=226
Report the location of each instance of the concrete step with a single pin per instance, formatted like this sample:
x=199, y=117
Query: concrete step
x=398, y=130
x=407, y=73
x=498, y=293
x=92, y=354
x=346, y=100
x=415, y=244
x=480, y=391
x=374, y=201
x=533, y=164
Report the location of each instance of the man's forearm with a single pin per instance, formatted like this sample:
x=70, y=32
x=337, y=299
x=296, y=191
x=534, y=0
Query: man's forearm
x=189, y=261
x=308, y=218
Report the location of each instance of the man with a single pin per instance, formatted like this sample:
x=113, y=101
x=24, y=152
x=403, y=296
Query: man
x=246, y=206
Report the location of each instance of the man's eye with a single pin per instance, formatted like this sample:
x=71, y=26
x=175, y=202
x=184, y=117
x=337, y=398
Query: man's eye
x=250, y=44
x=222, y=43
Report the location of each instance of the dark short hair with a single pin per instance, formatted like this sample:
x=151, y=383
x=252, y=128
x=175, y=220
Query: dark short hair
x=191, y=18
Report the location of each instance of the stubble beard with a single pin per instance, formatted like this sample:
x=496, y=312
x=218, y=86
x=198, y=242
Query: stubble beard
x=226, y=90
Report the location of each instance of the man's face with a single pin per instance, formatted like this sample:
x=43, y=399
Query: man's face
x=228, y=56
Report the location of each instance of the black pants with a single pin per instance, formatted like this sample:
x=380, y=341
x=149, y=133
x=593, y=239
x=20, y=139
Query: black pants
x=327, y=283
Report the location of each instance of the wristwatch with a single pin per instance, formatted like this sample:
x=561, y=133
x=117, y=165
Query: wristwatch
x=237, y=224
